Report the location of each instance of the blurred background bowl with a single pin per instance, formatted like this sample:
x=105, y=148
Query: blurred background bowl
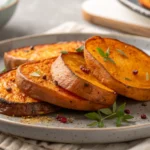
x=7, y=9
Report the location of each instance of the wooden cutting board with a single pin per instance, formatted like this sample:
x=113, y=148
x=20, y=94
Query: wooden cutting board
x=112, y=14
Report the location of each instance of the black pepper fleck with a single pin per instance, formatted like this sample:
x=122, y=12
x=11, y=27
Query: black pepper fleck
x=56, y=83
x=144, y=104
x=8, y=89
x=86, y=84
x=44, y=77
x=31, y=47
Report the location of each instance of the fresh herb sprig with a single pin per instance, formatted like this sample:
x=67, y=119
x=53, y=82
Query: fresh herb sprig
x=107, y=113
x=64, y=52
x=80, y=49
x=147, y=76
x=128, y=79
x=105, y=55
x=121, y=52
x=4, y=70
x=36, y=74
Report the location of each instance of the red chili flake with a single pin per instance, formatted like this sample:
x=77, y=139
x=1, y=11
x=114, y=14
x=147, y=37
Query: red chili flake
x=62, y=119
x=127, y=111
x=135, y=72
x=143, y=116
x=84, y=69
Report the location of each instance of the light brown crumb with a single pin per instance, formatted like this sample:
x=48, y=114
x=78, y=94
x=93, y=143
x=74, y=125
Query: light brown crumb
x=31, y=120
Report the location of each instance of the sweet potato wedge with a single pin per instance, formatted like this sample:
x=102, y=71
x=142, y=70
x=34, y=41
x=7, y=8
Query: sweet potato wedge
x=42, y=87
x=16, y=57
x=13, y=102
x=70, y=72
x=119, y=66
x=145, y=3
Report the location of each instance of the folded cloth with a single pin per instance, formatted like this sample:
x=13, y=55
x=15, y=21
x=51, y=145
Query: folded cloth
x=8, y=142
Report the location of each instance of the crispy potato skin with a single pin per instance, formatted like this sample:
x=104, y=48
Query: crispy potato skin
x=26, y=109
x=19, y=56
x=14, y=102
x=47, y=91
x=12, y=62
x=145, y=3
x=67, y=73
x=108, y=74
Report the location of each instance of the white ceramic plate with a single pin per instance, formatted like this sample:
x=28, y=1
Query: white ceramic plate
x=76, y=132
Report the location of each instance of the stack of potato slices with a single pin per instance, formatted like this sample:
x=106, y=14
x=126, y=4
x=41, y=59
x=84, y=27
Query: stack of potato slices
x=66, y=75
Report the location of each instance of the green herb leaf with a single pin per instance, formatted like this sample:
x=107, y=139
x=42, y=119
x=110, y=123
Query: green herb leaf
x=109, y=59
x=93, y=116
x=105, y=55
x=101, y=52
x=115, y=112
x=118, y=121
x=147, y=76
x=114, y=106
x=106, y=111
x=4, y=70
x=127, y=79
x=99, y=113
x=120, y=110
x=100, y=124
x=35, y=74
x=127, y=117
x=121, y=52
x=64, y=52
x=80, y=49
x=107, y=52
x=93, y=124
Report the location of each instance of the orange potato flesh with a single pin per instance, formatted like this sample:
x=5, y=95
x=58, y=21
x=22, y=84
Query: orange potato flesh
x=16, y=57
x=66, y=70
x=120, y=76
x=46, y=90
x=145, y=3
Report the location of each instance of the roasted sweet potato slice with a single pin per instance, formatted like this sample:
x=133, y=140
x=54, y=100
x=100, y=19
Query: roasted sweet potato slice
x=13, y=102
x=145, y=3
x=119, y=66
x=71, y=73
x=16, y=57
x=35, y=80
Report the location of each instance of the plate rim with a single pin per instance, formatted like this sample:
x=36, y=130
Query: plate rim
x=138, y=37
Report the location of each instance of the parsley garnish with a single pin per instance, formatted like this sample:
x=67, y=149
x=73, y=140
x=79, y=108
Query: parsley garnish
x=35, y=74
x=115, y=112
x=64, y=52
x=80, y=49
x=127, y=79
x=121, y=52
x=147, y=76
x=105, y=55
x=4, y=70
